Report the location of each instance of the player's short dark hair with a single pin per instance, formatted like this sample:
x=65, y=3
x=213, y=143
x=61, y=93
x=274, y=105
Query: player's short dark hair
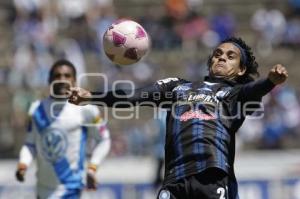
x=250, y=62
x=59, y=63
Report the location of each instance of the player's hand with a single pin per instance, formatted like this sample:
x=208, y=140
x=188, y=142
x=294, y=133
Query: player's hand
x=91, y=177
x=278, y=74
x=20, y=173
x=78, y=95
x=91, y=181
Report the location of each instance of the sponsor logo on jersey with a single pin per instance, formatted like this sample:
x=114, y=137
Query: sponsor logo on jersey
x=54, y=144
x=203, y=97
x=196, y=115
x=164, y=194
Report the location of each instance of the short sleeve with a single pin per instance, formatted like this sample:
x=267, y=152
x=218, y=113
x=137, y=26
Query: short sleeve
x=91, y=114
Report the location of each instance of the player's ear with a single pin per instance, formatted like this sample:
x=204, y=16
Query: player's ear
x=242, y=70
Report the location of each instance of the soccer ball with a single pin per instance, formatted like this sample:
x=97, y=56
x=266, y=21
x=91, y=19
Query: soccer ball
x=125, y=42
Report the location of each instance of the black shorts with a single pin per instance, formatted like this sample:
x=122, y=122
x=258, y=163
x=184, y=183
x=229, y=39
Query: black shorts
x=212, y=183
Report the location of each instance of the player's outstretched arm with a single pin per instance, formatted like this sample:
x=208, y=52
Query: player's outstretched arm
x=151, y=95
x=254, y=91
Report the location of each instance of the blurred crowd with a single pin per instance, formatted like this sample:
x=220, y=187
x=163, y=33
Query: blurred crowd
x=44, y=30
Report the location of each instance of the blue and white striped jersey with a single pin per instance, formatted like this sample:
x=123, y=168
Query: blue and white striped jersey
x=57, y=137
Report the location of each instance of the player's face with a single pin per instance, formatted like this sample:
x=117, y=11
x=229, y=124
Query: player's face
x=226, y=61
x=63, y=79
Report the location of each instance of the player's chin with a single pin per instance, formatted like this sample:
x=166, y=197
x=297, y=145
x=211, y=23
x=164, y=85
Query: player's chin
x=218, y=73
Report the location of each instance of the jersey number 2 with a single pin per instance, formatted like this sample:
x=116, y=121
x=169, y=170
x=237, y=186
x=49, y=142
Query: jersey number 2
x=221, y=191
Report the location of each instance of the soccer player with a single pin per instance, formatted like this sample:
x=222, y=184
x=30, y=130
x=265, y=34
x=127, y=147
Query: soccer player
x=57, y=136
x=202, y=119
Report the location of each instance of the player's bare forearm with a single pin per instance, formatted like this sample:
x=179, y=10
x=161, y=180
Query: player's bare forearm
x=278, y=74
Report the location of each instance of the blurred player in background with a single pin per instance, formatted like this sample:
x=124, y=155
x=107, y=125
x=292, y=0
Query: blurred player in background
x=57, y=136
x=202, y=119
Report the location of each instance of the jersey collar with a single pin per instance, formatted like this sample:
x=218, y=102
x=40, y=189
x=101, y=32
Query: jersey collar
x=216, y=79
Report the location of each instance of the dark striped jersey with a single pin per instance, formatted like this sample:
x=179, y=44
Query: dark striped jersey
x=202, y=119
